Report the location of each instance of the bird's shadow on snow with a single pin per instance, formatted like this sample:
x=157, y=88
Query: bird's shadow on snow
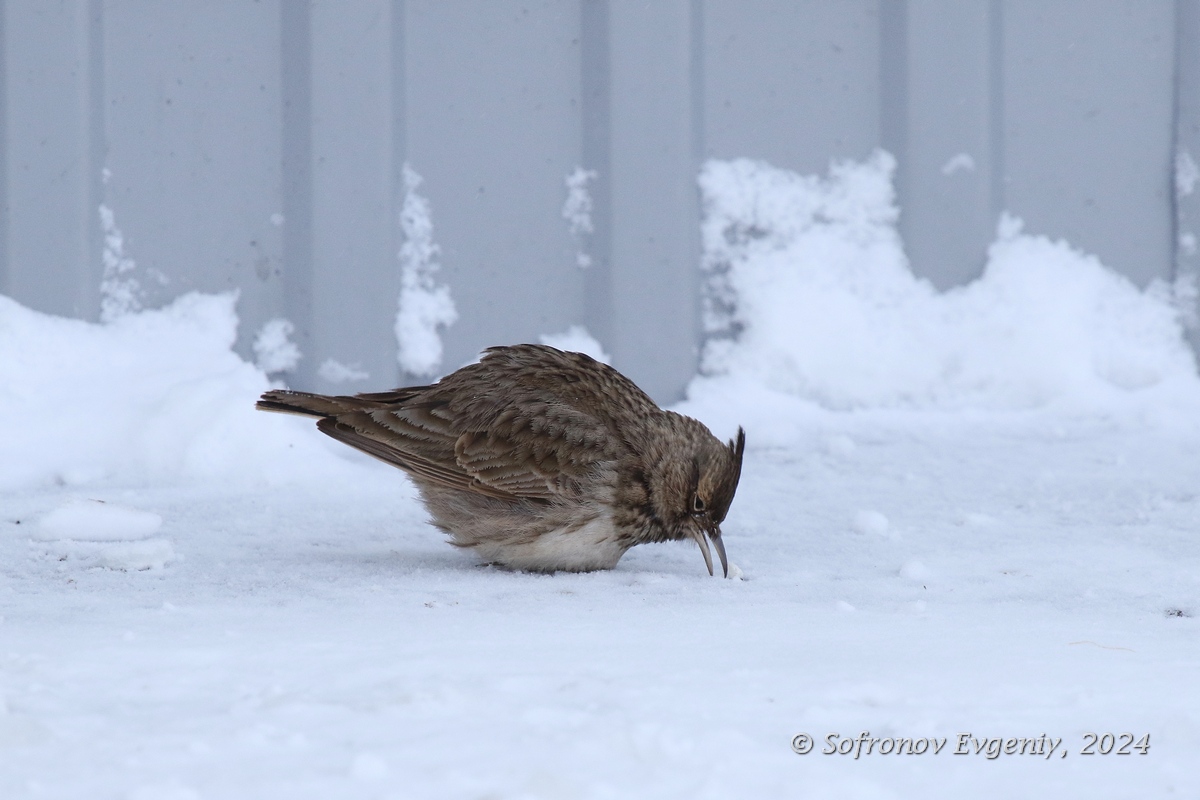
x=398, y=560
x=663, y=562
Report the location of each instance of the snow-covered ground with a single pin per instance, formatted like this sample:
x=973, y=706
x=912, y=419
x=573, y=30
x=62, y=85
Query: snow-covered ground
x=971, y=514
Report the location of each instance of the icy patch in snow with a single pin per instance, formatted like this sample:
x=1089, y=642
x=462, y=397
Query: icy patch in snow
x=274, y=350
x=97, y=521
x=577, y=211
x=809, y=295
x=154, y=395
x=576, y=339
x=337, y=372
x=425, y=307
x=119, y=291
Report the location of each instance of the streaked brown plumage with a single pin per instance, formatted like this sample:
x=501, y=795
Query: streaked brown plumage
x=542, y=460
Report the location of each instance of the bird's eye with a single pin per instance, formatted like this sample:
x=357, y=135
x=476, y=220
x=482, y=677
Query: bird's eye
x=698, y=506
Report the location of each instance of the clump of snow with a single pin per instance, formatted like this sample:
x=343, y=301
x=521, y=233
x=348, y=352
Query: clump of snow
x=336, y=372
x=119, y=290
x=1187, y=173
x=425, y=306
x=95, y=533
x=962, y=162
x=97, y=521
x=915, y=570
x=809, y=294
x=576, y=339
x=577, y=211
x=871, y=522
x=153, y=394
x=274, y=350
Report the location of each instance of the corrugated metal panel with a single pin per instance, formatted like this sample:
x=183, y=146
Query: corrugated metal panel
x=261, y=146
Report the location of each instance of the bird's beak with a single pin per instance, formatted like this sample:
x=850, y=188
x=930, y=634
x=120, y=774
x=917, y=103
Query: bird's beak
x=715, y=536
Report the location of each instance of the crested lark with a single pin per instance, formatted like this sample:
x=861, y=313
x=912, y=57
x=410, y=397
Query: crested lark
x=542, y=460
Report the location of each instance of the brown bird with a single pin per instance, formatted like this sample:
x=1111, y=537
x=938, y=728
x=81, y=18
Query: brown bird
x=542, y=460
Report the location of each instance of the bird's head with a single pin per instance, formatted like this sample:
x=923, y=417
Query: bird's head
x=696, y=486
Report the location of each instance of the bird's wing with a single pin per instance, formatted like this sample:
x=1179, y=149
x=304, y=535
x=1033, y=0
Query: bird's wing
x=361, y=432
x=533, y=449
x=539, y=452
x=526, y=421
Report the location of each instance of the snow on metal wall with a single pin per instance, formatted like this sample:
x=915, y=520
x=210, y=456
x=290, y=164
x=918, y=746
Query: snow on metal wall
x=261, y=146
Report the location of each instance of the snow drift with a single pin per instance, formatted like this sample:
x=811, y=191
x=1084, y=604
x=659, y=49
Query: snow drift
x=811, y=306
x=153, y=395
x=809, y=294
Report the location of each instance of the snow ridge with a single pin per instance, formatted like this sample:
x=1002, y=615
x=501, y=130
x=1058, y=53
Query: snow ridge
x=808, y=292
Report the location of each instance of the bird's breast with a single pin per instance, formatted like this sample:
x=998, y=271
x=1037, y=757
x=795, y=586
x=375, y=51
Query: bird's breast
x=592, y=546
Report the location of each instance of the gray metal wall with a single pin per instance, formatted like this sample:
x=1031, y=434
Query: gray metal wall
x=260, y=145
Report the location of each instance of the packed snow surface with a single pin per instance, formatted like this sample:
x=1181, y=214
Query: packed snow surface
x=965, y=548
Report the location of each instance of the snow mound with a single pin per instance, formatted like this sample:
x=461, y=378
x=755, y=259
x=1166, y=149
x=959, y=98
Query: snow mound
x=809, y=294
x=152, y=395
x=97, y=521
x=94, y=533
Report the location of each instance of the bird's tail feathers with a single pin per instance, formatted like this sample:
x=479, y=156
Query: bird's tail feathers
x=304, y=403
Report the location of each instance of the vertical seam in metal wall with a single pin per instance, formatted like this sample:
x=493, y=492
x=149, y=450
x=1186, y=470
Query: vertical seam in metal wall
x=595, y=90
x=399, y=99
x=1176, y=136
x=893, y=90
x=5, y=281
x=91, y=272
x=296, y=174
x=1185, y=132
x=997, y=177
x=696, y=120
